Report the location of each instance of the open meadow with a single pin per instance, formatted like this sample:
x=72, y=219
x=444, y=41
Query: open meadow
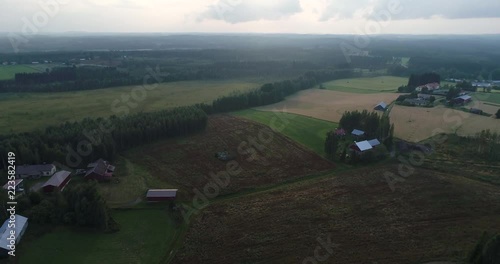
x=259, y=156
x=417, y=123
x=328, y=105
x=8, y=72
x=382, y=84
x=431, y=216
x=28, y=111
x=307, y=131
x=145, y=236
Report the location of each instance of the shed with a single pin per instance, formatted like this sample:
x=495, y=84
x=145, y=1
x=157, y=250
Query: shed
x=58, y=181
x=21, y=223
x=18, y=183
x=357, y=132
x=361, y=146
x=382, y=106
x=476, y=111
x=158, y=195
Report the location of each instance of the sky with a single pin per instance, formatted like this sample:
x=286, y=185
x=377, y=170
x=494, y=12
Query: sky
x=253, y=16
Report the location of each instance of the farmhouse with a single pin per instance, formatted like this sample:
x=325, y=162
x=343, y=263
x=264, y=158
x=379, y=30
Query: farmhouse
x=100, y=170
x=358, y=133
x=19, y=186
x=35, y=171
x=361, y=147
x=464, y=99
x=5, y=232
x=381, y=106
x=429, y=86
x=476, y=111
x=158, y=195
x=57, y=181
x=417, y=101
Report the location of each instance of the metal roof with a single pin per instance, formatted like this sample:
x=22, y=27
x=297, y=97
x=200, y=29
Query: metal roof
x=374, y=142
x=464, y=97
x=21, y=222
x=33, y=169
x=18, y=181
x=162, y=193
x=382, y=104
x=357, y=132
x=364, y=145
x=58, y=178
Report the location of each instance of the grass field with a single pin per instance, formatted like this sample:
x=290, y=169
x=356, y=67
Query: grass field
x=487, y=97
x=145, y=236
x=26, y=112
x=307, y=131
x=9, y=72
x=431, y=217
x=383, y=84
x=263, y=157
x=329, y=105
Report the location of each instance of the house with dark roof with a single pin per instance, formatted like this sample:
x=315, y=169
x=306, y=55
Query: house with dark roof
x=35, y=171
x=159, y=195
x=58, y=181
x=100, y=170
x=476, y=111
x=16, y=232
x=381, y=106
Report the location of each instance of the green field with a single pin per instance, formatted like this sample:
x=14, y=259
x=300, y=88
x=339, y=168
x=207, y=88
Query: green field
x=307, y=131
x=29, y=111
x=145, y=237
x=493, y=98
x=405, y=61
x=9, y=72
x=383, y=84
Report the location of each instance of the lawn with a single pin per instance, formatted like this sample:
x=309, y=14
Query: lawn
x=307, y=131
x=29, y=111
x=145, y=237
x=382, y=84
x=9, y=72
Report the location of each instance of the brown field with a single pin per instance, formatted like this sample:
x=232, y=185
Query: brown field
x=188, y=164
x=329, y=105
x=431, y=216
x=417, y=123
x=487, y=107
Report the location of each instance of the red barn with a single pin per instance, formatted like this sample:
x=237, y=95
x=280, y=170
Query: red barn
x=159, y=195
x=58, y=181
x=100, y=171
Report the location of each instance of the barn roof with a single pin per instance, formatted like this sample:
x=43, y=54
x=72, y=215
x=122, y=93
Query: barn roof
x=382, y=104
x=374, y=142
x=363, y=145
x=169, y=193
x=33, y=169
x=357, y=132
x=57, y=179
x=464, y=97
x=98, y=167
x=18, y=181
x=21, y=222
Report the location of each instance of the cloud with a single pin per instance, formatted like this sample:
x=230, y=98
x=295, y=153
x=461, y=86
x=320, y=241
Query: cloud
x=411, y=9
x=239, y=11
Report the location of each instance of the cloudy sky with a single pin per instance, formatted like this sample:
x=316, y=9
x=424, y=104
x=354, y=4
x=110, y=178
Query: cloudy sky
x=267, y=16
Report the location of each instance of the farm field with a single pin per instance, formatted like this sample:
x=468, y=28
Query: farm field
x=261, y=157
x=493, y=97
x=416, y=123
x=144, y=237
x=328, y=105
x=9, y=71
x=26, y=112
x=431, y=216
x=383, y=84
x=307, y=131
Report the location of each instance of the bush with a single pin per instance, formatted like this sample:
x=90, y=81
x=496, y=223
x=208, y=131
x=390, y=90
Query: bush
x=35, y=198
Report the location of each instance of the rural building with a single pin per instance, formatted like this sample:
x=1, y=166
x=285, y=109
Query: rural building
x=464, y=99
x=358, y=133
x=58, y=181
x=158, y=195
x=374, y=142
x=476, y=111
x=440, y=92
x=35, y=171
x=417, y=101
x=361, y=147
x=429, y=86
x=381, y=106
x=424, y=96
x=100, y=170
x=19, y=229
x=340, y=132
x=19, y=186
